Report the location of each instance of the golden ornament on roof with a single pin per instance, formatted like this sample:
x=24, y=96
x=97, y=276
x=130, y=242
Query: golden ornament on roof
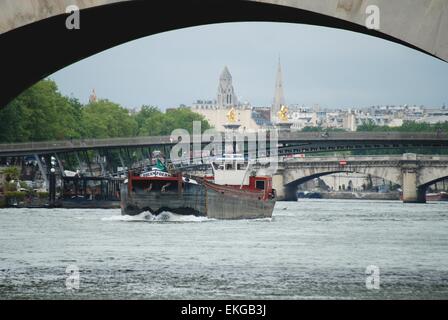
x=283, y=113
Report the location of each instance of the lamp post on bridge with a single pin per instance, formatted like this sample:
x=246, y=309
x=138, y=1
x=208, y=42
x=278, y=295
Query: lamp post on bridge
x=52, y=183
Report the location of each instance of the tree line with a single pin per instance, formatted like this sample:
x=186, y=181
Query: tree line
x=42, y=113
x=407, y=126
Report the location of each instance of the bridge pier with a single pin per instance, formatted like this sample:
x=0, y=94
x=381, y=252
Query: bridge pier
x=284, y=192
x=412, y=193
x=421, y=195
x=278, y=185
x=290, y=193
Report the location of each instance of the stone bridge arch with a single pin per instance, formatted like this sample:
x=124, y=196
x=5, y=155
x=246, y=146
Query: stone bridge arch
x=28, y=29
x=414, y=173
x=301, y=175
x=293, y=177
x=430, y=175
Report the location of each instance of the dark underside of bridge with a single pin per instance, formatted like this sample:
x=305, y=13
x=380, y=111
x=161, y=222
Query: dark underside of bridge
x=437, y=145
x=34, y=51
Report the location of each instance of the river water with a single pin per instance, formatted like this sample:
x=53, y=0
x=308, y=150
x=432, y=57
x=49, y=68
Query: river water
x=312, y=249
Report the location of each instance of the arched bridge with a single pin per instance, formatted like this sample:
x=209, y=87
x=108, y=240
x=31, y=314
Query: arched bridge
x=413, y=172
x=37, y=43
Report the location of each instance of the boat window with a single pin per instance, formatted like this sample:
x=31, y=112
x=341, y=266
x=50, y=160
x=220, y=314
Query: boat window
x=259, y=184
x=241, y=166
x=228, y=166
x=217, y=166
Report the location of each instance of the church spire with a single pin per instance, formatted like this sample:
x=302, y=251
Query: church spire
x=226, y=96
x=279, y=98
x=225, y=74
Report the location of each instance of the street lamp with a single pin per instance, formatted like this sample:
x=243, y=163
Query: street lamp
x=52, y=187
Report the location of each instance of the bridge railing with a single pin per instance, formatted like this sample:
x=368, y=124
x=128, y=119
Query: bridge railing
x=284, y=137
x=84, y=143
x=361, y=136
x=418, y=157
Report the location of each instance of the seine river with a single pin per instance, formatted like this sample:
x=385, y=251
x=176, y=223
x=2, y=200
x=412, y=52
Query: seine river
x=312, y=249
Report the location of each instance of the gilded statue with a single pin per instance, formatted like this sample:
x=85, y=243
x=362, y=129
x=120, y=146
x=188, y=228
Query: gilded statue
x=231, y=115
x=283, y=114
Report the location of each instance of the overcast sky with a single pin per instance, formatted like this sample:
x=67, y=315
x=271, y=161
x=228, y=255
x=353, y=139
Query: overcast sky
x=329, y=67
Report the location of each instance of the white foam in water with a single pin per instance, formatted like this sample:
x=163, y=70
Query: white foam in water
x=173, y=217
x=139, y=217
x=167, y=216
x=164, y=216
x=262, y=219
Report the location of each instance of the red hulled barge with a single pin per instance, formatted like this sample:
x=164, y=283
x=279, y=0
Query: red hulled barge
x=231, y=193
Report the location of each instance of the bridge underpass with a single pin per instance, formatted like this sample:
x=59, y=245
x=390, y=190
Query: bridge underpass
x=414, y=173
x=25, y=26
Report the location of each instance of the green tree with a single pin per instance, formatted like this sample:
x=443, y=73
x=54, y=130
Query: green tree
x=43, y=113
x=312, y=129
x=183, y=118
x=40, y=113
x=11, y=173
x=407, y=126
x=105, y=119
x=158, y=123
x=145, y=113
x=320, y=129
